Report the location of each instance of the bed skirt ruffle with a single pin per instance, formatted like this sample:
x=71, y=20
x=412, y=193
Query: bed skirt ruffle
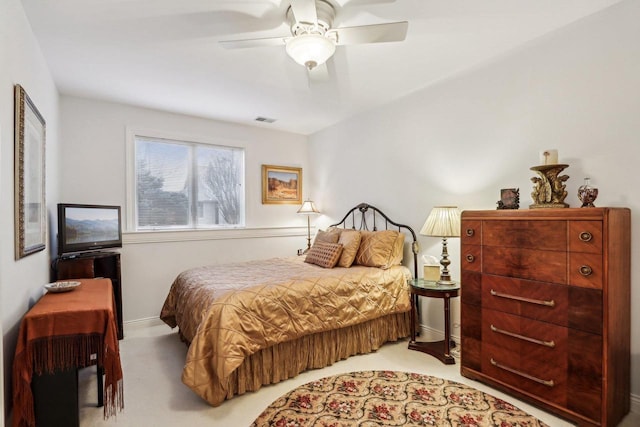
x=288, y=359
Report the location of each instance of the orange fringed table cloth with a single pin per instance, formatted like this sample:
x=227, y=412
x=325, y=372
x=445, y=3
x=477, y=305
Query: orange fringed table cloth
x=60, y=332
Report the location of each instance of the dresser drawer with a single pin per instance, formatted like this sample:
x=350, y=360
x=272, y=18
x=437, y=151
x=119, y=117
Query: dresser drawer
x=534, y=300
x=543, y=266
x=561, y=365
x=471, y=233
x=471, y=258
x=525, y=353
x=550, y=382
x=585, y=270
x=544, y=235
x=531, y=339
x=585, y=236
x=575, y=307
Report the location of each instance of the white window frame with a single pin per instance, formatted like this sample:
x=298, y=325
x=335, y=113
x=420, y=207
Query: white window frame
x=131, y=181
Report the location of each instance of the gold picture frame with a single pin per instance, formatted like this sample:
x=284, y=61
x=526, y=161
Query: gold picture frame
x=281, y=185
x=29, y=170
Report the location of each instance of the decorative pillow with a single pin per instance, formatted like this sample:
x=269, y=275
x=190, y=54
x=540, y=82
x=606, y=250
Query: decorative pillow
x=350, y=240
x=377, y=248
x=330, y=236
x=324, y=254
x=398, y=250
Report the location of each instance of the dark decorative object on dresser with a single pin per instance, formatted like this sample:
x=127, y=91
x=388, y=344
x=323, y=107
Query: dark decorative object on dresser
x=509, y=198
x=587, y=194
x=546, y=308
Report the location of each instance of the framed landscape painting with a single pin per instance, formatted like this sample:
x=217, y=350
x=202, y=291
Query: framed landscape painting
x=281, y=185
x=30, y=208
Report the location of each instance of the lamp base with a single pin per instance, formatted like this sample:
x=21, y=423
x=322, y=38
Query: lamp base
x=445, y=277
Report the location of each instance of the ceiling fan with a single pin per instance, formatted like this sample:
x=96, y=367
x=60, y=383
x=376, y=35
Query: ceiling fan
x=313, y=40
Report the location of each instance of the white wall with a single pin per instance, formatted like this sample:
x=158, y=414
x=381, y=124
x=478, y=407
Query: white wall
x=21, y=62
x=460, y=141
x=93, y=171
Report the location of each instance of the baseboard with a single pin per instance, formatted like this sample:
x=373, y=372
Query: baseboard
x=431, y=334
x=142, y=323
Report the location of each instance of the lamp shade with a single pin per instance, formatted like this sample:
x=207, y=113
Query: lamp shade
x=308, y=208
x=310, y=50
x=443, y=221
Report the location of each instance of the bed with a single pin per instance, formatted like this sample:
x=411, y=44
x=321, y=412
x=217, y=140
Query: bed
x=255, y=323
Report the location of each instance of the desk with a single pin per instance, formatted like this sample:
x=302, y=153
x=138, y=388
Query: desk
x=60, y=333
x=426, y=288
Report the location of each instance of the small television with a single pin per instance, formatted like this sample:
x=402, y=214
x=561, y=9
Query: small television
x=83, y=228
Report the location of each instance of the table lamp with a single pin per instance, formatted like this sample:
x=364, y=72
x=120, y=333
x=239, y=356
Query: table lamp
x=308, y=209
x=443, y=221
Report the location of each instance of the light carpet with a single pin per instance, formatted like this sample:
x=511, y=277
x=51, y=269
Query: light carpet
x=391, y=398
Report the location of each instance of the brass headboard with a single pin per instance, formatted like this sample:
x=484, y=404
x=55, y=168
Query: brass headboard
x=361, y=221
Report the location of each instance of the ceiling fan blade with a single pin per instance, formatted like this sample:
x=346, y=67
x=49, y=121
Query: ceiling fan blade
x=248, y=43
x=376, y=33
x=304, y=11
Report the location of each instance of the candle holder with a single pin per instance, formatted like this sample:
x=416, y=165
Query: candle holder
x=549, y=190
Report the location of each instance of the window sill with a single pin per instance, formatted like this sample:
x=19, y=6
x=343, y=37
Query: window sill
x=165, y=236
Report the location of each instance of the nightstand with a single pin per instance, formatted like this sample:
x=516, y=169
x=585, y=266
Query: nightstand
x=439, y=349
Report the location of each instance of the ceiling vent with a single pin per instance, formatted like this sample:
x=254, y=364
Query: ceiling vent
x=265, y=119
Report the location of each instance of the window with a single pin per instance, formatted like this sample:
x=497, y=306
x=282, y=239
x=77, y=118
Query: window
x=187, y=185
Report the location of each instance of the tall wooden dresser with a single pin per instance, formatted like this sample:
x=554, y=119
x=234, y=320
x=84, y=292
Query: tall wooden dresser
x=546, y=308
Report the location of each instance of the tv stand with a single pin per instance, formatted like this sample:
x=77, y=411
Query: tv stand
x=89, y=265
x=90, y=254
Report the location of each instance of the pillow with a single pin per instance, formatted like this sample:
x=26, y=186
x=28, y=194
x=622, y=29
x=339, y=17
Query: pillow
x=398, y=250
x=330, y=236
x=377, y=248
x=324, y=254
x=350, y=240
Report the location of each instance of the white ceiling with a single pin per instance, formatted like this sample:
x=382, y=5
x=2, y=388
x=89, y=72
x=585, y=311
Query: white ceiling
x=164, y=54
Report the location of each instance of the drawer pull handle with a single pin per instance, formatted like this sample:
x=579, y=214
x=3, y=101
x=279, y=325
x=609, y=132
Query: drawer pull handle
x=470, y=232
x=470, y=258
x=550, y=303
x=585, y=270
x=550, y=344
x=548, y=383
x=585, y=236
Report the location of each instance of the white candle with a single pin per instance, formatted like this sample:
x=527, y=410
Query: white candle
x=549, y=157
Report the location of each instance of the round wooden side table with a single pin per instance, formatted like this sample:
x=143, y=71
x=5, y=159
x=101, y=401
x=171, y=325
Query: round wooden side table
x=426, y=288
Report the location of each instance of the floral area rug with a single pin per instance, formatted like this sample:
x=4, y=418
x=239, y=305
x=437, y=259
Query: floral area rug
x=387, y=398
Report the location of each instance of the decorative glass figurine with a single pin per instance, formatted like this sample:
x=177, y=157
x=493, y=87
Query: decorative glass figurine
x=587, y=194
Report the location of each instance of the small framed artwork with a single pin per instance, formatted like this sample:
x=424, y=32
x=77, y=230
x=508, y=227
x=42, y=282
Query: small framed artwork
x=29, y=169
x=509, y=198
x=281, y=185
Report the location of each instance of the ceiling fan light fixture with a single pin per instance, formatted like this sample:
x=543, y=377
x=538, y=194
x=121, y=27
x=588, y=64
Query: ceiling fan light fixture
x=310, y=50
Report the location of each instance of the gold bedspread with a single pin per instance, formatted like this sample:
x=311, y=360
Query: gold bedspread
x=229, y=312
